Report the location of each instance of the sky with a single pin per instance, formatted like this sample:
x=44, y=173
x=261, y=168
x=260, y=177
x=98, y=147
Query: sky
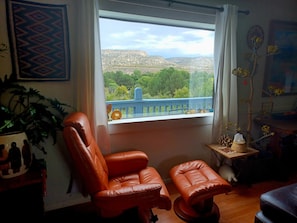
x=156, y=40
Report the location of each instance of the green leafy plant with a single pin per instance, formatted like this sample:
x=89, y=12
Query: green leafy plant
x=26, y=109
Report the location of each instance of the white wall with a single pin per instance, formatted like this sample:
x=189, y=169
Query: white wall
x=167, y=142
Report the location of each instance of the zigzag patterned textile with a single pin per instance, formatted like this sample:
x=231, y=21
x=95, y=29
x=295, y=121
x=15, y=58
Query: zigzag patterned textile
x=39, y=34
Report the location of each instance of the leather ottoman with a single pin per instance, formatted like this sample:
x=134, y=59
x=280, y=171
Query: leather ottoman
x=197, y=183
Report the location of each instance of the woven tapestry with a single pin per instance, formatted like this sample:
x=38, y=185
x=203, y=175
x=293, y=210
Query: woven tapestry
x=39, y=40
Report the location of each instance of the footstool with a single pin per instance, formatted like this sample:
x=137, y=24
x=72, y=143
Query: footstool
x=197, y=184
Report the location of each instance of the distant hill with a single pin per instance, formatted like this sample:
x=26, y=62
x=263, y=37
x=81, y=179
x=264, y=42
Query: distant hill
x=130, y=60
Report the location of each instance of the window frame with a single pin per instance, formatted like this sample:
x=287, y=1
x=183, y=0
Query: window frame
x=158, y=21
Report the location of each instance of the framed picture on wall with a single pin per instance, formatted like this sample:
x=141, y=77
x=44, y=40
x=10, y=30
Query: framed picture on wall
x=281, y=68
x=38, y=40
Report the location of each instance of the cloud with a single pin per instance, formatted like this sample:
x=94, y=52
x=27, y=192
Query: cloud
x=122, y=35
x=166, y=41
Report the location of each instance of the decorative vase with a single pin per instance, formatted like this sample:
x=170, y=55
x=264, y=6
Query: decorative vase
x=15, y=154
x=116, y=114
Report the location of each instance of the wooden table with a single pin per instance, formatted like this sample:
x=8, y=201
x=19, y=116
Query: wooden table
x=230, y=154
x=238, y=159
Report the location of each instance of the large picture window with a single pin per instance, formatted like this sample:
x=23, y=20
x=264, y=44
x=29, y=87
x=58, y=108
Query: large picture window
x=156, y=69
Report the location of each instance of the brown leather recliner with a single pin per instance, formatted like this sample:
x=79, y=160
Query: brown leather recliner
x=116, y=182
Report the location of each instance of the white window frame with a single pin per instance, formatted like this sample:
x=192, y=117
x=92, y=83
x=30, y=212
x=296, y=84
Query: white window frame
x=161, y=21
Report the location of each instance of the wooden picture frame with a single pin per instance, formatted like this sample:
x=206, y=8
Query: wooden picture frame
x=281, y=68
x=39, y=40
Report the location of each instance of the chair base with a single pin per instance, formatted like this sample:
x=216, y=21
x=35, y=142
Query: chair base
x=188, y=214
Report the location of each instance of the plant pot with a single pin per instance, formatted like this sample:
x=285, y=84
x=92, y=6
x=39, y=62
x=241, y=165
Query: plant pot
x=15, y=154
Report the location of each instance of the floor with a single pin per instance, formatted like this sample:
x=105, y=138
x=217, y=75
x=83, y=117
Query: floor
x=239, y=205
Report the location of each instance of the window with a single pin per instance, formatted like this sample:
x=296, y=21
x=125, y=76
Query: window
x=156, y=69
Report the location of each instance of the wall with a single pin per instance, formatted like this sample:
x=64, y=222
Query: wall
x=262, y=12
x=167, y=142
x=58, y=172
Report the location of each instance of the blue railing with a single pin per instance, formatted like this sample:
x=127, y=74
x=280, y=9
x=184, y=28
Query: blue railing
x=139, y=107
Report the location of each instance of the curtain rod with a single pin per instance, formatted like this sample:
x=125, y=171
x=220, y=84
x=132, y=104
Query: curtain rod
x=170, y=2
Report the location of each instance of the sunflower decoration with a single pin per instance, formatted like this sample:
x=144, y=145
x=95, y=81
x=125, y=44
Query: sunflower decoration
x=275, y=91
x=266, y=130
x=255, y=39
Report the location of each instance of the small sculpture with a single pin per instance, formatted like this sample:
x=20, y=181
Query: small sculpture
x=227, y=173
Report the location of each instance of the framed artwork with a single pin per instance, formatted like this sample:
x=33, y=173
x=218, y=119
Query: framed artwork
x=38, y=40
x=281, y=68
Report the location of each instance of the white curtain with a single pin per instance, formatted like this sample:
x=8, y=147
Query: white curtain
x=225, y=83
x=90, y=97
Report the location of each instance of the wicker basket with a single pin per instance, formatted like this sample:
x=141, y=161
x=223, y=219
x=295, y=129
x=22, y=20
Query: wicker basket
x=239, y=147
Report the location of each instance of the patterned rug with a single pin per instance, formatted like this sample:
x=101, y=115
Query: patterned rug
x=39, y=40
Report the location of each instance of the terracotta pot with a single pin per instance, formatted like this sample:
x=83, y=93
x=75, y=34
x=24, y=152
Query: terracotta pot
x=15, y=154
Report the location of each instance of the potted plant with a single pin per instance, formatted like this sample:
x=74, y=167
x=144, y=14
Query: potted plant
x=30, y=116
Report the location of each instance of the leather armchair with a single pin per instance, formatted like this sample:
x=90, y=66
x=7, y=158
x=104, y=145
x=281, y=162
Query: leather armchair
x=116, y=182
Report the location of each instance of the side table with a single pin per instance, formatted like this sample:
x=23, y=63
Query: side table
x=226, y=153
x=22, y=196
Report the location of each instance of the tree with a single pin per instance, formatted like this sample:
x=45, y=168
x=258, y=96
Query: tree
x=182, y=93
x=144, y=82
x=122, y=93
x=201, y=84
x=167, y=81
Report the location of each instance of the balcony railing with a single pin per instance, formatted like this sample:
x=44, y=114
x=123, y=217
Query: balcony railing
x=139, y=107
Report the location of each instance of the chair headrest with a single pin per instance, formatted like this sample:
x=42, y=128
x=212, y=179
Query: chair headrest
x=80, y=122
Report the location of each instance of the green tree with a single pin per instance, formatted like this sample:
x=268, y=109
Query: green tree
x=119, y=78
x=121, y=93
x=167, y=81
x=201, y=84
x=136, y=75
x=144, y=82
x=182, y=93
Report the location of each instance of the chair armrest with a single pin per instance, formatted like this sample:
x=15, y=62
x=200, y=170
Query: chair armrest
x=125, y=162
x=113, y=202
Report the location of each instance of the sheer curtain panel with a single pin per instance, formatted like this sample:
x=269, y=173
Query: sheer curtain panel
x=225, y=84
x=90, y=96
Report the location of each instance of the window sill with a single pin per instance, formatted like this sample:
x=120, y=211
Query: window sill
x=159, y=118
x=159, y=122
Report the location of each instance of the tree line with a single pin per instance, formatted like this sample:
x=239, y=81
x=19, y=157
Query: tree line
x=166, y=83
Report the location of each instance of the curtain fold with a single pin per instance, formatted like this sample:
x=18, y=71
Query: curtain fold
x=90, y=97
x=225, y=84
